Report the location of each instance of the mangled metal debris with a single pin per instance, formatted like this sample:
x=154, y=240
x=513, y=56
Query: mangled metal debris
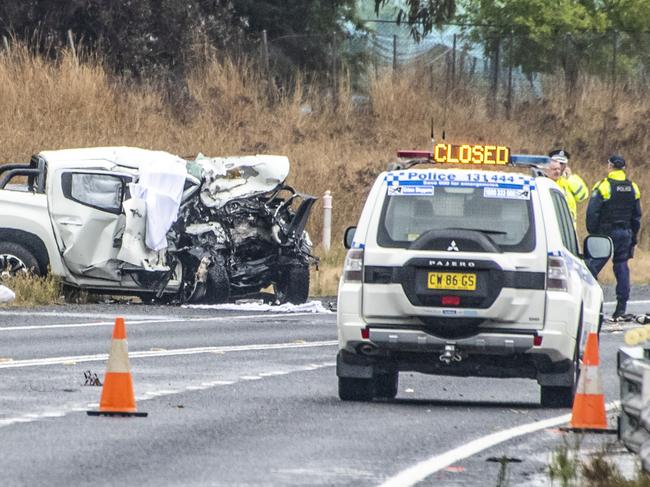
x=245, y=231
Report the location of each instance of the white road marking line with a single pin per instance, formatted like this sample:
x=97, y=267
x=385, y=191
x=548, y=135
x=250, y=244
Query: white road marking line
x=83, y=315
x=642, y=301
x=165, y=353
x=146, y=396
x=75, y=325
x=422, y=470
x=150, y=321
x=250, y=377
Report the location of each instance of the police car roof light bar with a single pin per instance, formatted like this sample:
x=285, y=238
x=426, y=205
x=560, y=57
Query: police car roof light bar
x=517, y=160
x=415, y=154
x=528, y=160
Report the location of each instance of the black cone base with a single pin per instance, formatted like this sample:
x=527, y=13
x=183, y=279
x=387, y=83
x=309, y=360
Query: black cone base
x=116, y=413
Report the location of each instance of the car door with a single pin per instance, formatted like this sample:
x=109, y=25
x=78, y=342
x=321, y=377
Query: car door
x=86, y=212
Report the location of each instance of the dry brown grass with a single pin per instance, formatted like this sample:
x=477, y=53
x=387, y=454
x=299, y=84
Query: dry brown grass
x=229, y=108
x=33, y=291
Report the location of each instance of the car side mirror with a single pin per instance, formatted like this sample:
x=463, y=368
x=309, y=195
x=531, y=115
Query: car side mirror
x=598, y=247
x=348, y=237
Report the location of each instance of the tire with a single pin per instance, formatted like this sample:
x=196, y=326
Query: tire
x=557, y=396
x=356, y=389
x=15, y=258
x=217, y=285
x=386, y=385
x=562, y=396
x=292, y=285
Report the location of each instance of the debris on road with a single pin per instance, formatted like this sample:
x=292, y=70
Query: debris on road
x=6, y=294
x=308, y=307
x=91, y=379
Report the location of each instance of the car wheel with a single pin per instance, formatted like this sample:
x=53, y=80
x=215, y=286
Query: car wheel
x=292, y=285
x=217, y=285
x=16, y=259
x=386, y=385
x=352, y=389
x=557, y=396
x=601, y=318
x=562, y=396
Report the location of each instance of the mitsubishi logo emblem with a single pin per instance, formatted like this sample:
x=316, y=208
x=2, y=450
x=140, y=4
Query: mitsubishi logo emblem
x=453, y=246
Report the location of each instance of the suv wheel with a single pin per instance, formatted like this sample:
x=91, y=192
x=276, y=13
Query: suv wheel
x=356, y=389
x=386, y=386
x=217, y=285
x=557, y=396
x=562, y=396
x=14, y=259
x=292, y=284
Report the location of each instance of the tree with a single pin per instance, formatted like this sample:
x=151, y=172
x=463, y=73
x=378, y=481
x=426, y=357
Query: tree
x=299, y=31
x=421, y=15
x=574, y=35
x=138, y=37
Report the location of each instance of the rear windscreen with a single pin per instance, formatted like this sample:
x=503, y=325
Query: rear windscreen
x=500, y=215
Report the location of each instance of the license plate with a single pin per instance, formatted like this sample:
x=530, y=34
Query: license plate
x=455, y=281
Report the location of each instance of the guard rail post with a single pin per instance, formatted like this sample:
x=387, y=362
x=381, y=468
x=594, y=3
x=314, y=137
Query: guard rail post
x=633, y=365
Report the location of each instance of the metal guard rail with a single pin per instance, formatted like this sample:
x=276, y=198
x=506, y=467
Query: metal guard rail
x=633, y=365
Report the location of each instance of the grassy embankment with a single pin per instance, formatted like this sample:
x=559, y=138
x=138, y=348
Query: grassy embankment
x=226, y=111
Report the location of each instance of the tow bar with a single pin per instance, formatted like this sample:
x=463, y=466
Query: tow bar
x=450, y=354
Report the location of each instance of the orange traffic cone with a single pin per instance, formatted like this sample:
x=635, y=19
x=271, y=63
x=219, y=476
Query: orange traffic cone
x=117, y=393
x=589, y=402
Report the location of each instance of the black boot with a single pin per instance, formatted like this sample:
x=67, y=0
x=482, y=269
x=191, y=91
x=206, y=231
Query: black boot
x=620, y=310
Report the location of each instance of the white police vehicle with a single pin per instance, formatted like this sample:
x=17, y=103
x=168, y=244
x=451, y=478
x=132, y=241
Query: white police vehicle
x=465, y=272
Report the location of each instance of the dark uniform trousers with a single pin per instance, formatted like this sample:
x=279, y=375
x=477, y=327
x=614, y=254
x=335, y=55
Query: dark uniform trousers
x=614, y=210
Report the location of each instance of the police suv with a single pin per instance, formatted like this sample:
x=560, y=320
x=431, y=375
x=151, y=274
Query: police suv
x=465, y=272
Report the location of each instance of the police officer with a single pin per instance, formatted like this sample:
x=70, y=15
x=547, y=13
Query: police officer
x=573, y=186
x=615, y=210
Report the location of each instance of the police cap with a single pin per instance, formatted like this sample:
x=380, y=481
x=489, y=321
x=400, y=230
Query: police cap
x=560, y=155
x=616, y=161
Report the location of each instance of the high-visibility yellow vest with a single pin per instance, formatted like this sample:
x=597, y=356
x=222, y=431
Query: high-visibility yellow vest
x=575, y=190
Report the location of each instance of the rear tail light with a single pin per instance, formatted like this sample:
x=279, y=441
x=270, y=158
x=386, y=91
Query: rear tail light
x=557, y=274
x=353, y=266
x=537, y=340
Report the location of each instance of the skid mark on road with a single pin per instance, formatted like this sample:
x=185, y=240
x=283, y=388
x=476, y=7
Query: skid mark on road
x=74, y=359
x=422, y=470
x=148, y=395
x=148, y=321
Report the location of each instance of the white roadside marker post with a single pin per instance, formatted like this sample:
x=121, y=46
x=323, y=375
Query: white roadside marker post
x=327, y=220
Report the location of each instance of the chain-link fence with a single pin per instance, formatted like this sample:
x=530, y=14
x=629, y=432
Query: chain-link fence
x=507, y=68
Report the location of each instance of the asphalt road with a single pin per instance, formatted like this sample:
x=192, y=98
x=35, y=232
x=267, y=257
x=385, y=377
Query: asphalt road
x=242, y=398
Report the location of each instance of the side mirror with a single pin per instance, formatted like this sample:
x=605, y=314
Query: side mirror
x=348, y=237
x=598, y=247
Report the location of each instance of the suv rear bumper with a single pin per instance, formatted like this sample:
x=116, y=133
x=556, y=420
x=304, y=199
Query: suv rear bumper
x=514, y=365
x=419, y=341
x=501, y=355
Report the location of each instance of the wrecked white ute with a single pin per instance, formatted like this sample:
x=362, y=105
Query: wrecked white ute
x=134, y=221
